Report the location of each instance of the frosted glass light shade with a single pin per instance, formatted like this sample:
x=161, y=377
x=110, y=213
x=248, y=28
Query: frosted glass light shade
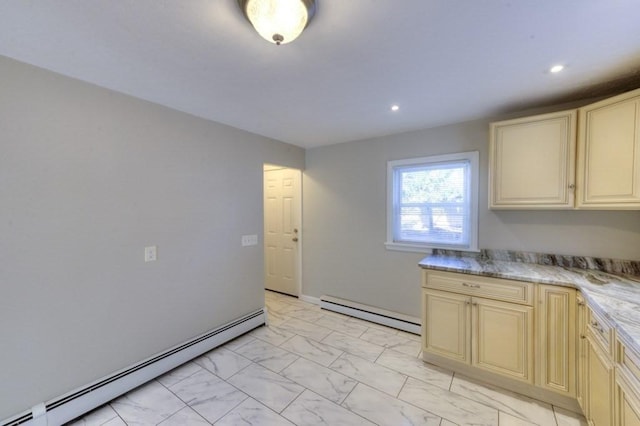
x=278, y=21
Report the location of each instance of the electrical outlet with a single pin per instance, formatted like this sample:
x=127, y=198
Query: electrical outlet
x=249, y=240
x=150, y=253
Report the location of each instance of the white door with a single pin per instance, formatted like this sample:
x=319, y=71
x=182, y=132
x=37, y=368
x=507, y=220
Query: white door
x=282, y=230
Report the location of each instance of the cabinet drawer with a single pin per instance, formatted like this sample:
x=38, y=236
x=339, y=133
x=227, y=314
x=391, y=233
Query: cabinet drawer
x=473, y=285
x=600, y=332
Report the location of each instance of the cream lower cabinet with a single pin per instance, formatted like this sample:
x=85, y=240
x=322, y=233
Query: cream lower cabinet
x=556, y=343
x=540, y=340
x=446, y=325
x=599, y=372
x=514, y=334
x=490, y=335
x=502, y=338
x=627, y=387
x=627, y=401
x=581, y=356
x=600, y=386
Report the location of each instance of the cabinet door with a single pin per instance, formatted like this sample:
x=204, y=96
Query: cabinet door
x=628, y=401
x=609, y=154
x=532, y=162
x=446, y=324
x=556, y=339
x=600, y=386
x=630, y=414
x=581, y=342
x=503, y=338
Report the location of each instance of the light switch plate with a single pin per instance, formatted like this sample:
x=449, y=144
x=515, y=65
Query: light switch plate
x=150, y=253
x=249, y=240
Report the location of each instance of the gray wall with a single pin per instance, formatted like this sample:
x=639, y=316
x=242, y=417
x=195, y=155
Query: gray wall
x=88, y=177
x=345, y=220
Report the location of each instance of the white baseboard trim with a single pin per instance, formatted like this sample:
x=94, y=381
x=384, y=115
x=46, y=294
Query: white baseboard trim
x=371, y=313
x=310, y=299
x=75, y=403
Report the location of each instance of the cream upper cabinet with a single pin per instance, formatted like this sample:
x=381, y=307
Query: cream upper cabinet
x=532, y=162
x=608, y=171
x=556, y=342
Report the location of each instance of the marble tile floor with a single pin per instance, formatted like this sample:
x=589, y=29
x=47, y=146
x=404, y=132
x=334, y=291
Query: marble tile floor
x=315, y=367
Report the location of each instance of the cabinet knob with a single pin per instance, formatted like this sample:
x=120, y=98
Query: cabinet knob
x=597, y=327
x=582, y=336
x=572, y=186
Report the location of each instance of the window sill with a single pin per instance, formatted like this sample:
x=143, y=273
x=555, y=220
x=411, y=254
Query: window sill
x=424, y=249
x=407, y=247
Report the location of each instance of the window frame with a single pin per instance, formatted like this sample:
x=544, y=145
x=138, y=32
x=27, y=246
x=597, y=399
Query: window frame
x=473, y=158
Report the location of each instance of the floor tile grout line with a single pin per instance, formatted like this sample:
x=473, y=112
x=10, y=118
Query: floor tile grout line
x=117, y=415
x=555, y=416
x=184, y=378
x=406, y=379
x=523, y=398
x=187, y=406
x=457, y=394
x=292, y=401
x=404, y=401
x=225, y=381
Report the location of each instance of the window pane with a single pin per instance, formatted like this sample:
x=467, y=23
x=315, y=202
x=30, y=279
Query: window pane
x=433, y=204
x=433, y=184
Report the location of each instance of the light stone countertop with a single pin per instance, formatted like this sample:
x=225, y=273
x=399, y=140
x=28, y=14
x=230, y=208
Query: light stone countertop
x=616, y=297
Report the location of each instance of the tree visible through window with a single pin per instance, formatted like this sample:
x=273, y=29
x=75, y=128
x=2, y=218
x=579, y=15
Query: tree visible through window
x=433, y=201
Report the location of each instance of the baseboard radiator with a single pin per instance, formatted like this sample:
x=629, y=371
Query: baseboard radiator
x=372, y=314
x=82, y=400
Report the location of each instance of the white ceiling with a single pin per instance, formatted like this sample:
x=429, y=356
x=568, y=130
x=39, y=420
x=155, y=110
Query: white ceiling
x=442, y=61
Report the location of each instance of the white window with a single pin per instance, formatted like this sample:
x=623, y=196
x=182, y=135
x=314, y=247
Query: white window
x=432, y=202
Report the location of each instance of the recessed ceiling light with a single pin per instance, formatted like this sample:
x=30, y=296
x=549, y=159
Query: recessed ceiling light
x=556, y=68
x=394, y=107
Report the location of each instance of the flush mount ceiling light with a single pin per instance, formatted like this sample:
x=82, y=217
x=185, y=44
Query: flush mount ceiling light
x=278, y=21
x=556, y=68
